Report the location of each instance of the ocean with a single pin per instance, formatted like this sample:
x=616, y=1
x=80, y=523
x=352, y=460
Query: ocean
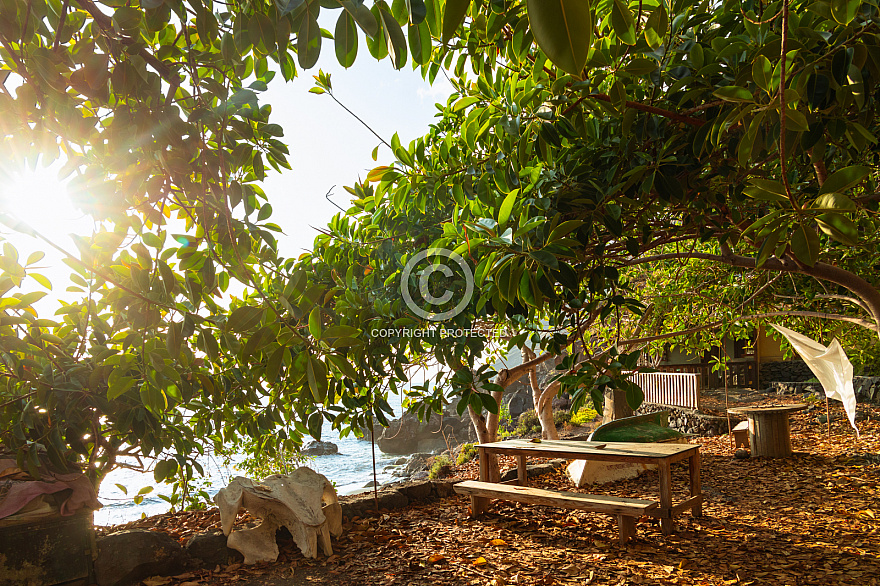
x=351, y=469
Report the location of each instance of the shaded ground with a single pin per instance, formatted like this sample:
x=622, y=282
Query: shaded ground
x=810, y=519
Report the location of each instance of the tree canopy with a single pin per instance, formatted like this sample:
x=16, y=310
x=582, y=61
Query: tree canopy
x=584, y=141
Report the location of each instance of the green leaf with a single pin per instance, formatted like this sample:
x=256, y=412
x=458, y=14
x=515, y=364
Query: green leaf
x=545, y=258
x=34, y=258
x=762, y=73
x=506, y=208
x=839, y=227
x=843, y=11
x=844, y=179
x=308, y=42
x=346, y=40
x=656, y=27
x=315, y=423
x=767, y=190
x=317, y=377
x=805, y=244
x=273, y=365
x=623, y=23
x=834, y=201
x=453, y=15
x=244, y=318
x=362, y=16
x=417, y=11
x=563, y=230
x=734, y=93
x=394, y=37
x=564, y=31
x=315, y=325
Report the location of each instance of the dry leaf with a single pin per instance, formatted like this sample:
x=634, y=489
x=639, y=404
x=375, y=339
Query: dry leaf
x=480, y=561
x=436, y=557
x=156, y=581
x=498, y=542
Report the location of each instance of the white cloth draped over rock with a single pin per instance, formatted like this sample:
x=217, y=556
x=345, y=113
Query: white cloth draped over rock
x=831, y=367
x=304, y=501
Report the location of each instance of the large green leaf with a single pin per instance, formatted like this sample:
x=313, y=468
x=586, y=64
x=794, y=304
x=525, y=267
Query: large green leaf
x=394, y=37
x=839, y=227
x=308, y=42
x=453, y=15
x=844, y=179
x=805, y=244
x=623, y=23
x=346, y=40
x=734, y=93
x=362, y=16
x=244, y=318
x=564, y=31
x=656, y=27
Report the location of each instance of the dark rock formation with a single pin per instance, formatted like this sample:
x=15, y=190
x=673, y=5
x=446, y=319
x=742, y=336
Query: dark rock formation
x=127, y=557
x=320, y=449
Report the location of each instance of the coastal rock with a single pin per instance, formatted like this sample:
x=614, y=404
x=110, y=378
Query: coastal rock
x=210, y=548
x=417, y=463
x=127, y=557
x=320, y=449
x=408, y=435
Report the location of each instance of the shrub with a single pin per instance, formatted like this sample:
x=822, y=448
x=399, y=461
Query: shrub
x=440, y=462
x=561, y=417
x=583, y=416
x=467, y=453
x=528, y=423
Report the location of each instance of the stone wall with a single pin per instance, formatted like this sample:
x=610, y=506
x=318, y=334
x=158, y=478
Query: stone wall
x=691, y=421
x=867, y=388
x=788, y=370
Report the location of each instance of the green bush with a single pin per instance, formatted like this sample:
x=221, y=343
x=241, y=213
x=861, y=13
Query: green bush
x=528, y=423
x=561, y=417
x=583, y=416
x=467, y=453
x=437, y=466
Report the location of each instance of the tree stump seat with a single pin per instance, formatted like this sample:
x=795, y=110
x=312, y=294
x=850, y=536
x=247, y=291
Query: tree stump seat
x=627, y=510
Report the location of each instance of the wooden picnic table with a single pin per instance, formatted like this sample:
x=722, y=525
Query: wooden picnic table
x=769, y=428
x=661, y=454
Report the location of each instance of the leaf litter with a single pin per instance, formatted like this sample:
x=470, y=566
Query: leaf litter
x=811, y=519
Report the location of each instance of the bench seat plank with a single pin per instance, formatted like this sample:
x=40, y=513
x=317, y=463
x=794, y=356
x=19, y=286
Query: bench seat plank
x=554, y=498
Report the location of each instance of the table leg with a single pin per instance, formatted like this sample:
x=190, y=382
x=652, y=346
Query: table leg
x=696, y=489
x=522, y=473
x=666, y=523
x=479, y=504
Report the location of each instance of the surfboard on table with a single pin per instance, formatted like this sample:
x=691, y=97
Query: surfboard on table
x=648, y=428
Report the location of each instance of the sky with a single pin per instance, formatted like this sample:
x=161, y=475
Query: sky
x=328, y=148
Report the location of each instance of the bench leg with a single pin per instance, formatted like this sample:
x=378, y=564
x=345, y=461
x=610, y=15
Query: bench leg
x=479, y=505
x=627, y=528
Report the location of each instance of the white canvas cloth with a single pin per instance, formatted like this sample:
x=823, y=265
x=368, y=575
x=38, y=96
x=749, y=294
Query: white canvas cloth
x=831, y=367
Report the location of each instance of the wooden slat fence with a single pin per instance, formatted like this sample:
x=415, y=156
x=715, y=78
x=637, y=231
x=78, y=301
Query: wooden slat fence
x=670, y=388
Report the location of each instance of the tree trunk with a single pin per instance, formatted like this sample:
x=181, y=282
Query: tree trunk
x=543, y=400
x=487, y=428
x=616, y=406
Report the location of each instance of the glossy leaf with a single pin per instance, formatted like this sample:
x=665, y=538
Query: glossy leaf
x=563, y=29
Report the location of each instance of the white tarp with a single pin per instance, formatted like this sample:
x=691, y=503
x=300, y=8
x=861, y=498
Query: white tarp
x=831, y=367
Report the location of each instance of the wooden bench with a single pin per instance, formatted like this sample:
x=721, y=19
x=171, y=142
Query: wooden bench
x=626, y=509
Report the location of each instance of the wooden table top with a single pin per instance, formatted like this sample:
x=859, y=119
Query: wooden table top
x=582, y=448
x=757, y=410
